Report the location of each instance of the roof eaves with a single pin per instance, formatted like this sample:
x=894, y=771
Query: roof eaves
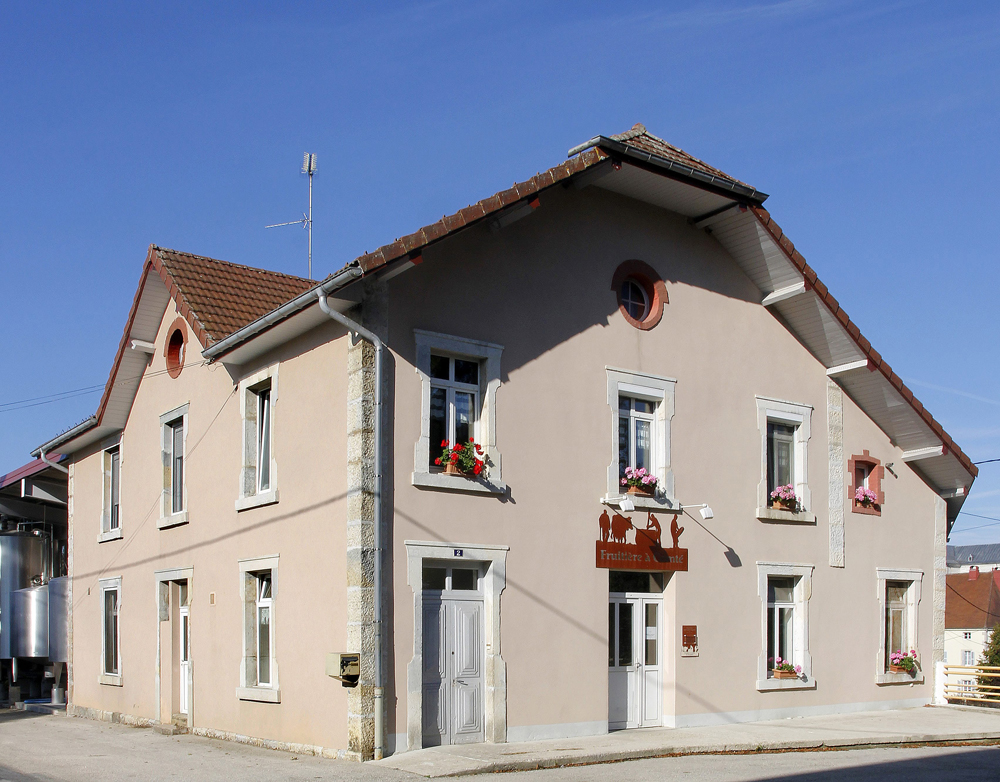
x=779, y=237
x=61, y=439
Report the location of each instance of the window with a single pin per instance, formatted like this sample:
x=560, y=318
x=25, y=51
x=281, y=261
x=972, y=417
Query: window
x=634, y=299
x=459, y=380
x=175, y=347
x=110, y=607
x=643, y=407
x=866, y=472
x=259, y=669
x=899, y=596
x=785, y=591
x=173, y=507
x=968, y=657
x=641, y=294
x=111, y=513
x=450, y=579
x=785, y=433
x=258, y=476
x=454, y=410
x=967, y=636
x=635, y=434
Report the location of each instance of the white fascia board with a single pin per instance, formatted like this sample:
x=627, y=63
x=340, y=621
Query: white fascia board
x=923, y=453
x=843, y=369
x=784, y=293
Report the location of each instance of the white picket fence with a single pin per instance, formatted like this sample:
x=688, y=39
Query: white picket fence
x=972, y=684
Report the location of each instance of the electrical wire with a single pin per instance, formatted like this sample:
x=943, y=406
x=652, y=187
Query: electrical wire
x=987, y=461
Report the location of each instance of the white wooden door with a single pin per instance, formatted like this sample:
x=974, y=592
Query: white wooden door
x=453, y=660
x=185, y=667
x=634, y=661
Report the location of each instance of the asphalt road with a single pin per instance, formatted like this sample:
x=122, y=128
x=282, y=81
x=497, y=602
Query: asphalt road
x=57, y=749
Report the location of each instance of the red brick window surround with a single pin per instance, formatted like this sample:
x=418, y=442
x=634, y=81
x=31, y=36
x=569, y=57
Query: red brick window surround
x=176, y=347
x=632, y=278
x=866, y=471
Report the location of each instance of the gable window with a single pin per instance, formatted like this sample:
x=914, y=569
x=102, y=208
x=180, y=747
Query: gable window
x=866, y=473
x=785, y=591
x=899, y=596
x=258, y=475
x=111, y=513
x=454, y=410
x=634, y=300
x=173, y=505
x=641, y=294
x=459, y=379
x=643, y=407
x=110, y=607
x=785, y=432
x=259, y=670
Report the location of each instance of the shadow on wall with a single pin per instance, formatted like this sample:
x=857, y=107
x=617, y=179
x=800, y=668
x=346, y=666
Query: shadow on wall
x=573, y=244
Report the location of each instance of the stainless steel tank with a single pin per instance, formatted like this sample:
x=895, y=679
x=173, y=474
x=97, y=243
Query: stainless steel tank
x=59, y=619
x=23, y=557
x=31, y=622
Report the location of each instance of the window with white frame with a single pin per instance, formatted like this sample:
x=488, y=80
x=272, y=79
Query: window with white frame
x=785, y=591
x=967, y=635
x=899, y=597
x=111, y=516
x=258, y=476
x=785, y=429
x=173, y=507
x=454, y=410
x=643, y=406
x=111, y=595
x=259, y=670
x=968, y=657
x=459, y=382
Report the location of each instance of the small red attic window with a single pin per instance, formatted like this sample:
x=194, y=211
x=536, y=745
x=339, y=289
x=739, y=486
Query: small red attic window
x=176, y=344
x=641, y=293
x=866, y=472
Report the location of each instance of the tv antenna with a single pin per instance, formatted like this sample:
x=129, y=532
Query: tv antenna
x=308, y=167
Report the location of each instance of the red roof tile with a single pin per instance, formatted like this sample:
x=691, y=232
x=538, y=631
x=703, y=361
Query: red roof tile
x=972, y=604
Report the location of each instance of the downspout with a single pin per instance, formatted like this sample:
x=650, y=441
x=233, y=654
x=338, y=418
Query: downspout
x=41, y=455
x=360, y=331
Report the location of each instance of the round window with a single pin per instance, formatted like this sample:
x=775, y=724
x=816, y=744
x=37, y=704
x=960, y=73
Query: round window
x=175, y=352
x=634, y=299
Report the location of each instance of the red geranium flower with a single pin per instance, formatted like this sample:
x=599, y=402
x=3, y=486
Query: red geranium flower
x=454, y=458
x=437, y=461
x=471, y=440
x=444, y=443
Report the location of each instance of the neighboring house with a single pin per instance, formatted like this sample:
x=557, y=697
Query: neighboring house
x=972, y=611
x=631, y=308
x=983, y=556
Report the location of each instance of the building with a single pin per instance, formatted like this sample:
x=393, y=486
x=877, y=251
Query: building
x=973, y=610
x=281, y=496
x=982, y=556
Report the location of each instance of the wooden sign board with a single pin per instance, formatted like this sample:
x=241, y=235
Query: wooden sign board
x=644, y=552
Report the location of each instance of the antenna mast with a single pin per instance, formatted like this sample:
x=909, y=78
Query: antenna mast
x=308, y=167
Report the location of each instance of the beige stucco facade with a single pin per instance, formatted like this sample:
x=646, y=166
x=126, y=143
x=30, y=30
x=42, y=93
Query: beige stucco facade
x=540, y=290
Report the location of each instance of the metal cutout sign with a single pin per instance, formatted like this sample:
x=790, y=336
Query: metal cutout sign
x=645, y=552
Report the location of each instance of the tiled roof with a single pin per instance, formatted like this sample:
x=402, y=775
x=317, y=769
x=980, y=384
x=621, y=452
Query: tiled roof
x=218, y=297
x=640, y=138
x=981, y=554
x=972, y=604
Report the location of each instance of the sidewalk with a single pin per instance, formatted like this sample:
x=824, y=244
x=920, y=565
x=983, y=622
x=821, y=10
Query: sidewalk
x=864, y=729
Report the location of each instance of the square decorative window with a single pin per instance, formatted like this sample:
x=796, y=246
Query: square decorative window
x=459, y=381
x=111, y=597
x=967, y=636
x=259, y=669
x=785, y=433
x=643, y=407
x=111, y=522
x=865, y=490
x=899, y=596
x=173, y=505
x=259, y=472
x=785, y=591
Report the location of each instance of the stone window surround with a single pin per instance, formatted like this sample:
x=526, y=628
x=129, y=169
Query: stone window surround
x=647, y=278
x=803, y=594
x=875, y=477
x=642, y=385
x=495, y=678
x=252, y=692
x=112, y=584
x=106, y=533
x=163, y=579
x=249, y=497
x=800, y=416
x=168, y=519
x=913, y=594
x=488, y=355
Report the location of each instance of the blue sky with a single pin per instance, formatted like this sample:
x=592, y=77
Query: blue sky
x=872, y=125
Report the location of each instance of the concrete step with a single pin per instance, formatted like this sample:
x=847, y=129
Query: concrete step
x=169, y=730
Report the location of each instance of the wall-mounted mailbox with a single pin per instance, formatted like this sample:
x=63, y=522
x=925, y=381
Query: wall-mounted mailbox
x=345, y=667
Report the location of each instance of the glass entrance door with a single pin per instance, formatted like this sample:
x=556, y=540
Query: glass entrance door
x=634, y=660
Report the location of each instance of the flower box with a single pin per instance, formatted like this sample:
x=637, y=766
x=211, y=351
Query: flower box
x=467, y=460
x=784, y=674
x=640, y=482
x=452, y=469
x=783, y=498
x=779, y=505
x=642, y=491
x=901, y=669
